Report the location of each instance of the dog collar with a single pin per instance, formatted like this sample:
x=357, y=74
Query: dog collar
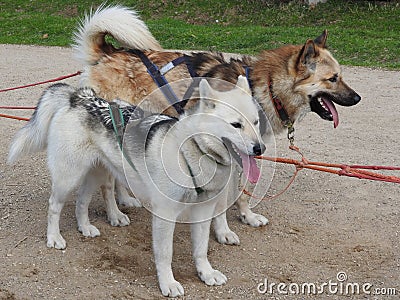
x=279, y=108
x=281, y=112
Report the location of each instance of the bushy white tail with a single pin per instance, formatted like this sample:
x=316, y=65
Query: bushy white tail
x=121, y=23
x=33, y=136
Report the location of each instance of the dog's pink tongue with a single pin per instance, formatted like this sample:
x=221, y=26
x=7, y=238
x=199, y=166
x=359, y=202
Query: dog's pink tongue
x=250, y=168
x=333, y=111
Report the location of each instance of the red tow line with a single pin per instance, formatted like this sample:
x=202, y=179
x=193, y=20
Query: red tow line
x=42, y=82
x=26, y=86
x=356, y=171
x=16, y=107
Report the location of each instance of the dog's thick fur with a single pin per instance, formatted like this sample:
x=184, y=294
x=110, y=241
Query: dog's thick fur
x=178, y=167
x=304, y=77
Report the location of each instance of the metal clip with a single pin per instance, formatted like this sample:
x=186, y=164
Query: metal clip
x=290, y=133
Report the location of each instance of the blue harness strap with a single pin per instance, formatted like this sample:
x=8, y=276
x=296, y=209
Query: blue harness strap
x=172, y=64
x=195, y=83
x=247, y=70
x=158, y=77
x=160, y=80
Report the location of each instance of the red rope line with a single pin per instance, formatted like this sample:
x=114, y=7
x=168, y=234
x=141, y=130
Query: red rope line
x=343, y=170
x=17, y=107
x=356, y=171
x=267, y=198
x=42, y=82
x=30, y=85
x=13, y=117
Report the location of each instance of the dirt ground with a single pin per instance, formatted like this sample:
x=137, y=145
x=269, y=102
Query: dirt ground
x=323, y=225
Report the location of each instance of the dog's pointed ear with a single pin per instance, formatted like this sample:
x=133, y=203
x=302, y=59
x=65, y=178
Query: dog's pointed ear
x=206, y=94
x=308, y=53
x=243, y=84
x=321, y=40
x=205, y=89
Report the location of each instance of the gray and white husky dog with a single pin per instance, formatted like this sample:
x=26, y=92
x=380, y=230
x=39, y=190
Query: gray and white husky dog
x=181, y=168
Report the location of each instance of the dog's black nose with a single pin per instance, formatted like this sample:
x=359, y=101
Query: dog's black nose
x=258, y=149
x=357, y=98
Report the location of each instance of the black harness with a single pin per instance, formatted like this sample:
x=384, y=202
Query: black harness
x=158, y=76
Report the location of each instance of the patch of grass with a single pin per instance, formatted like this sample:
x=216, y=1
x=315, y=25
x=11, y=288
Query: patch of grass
x=362, y=33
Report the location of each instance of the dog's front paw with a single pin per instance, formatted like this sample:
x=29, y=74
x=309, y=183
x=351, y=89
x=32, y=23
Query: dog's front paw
x=228, y=238
x=171, y=289
x=56, y=241
x=89, y=230
x=129, y=201
x=254, y=220
x=214, y=277
x=119, y=219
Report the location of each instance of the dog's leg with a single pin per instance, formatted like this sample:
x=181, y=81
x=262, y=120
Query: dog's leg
x=57, y=199
x=247, y=216
x=222, y=231
x=67, y=173
x=163, y=234
x=200, y=237
x=85, y=192
x=64, y=182
x=115, y=216
x=124, y=198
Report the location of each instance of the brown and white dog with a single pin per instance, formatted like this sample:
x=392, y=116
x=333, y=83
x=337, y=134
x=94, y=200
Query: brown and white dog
x=286, y=82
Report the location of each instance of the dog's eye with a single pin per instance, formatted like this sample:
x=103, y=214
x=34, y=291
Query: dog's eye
x=236, y=125
x=255, y=122
x=333, y=78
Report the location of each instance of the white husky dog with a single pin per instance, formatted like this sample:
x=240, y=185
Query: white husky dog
x=180, y=168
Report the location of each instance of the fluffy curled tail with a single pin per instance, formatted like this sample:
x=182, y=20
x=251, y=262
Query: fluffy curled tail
x=32, y=137
x=123, y=24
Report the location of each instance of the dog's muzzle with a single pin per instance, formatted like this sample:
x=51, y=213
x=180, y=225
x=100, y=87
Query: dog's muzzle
x=323, y=104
